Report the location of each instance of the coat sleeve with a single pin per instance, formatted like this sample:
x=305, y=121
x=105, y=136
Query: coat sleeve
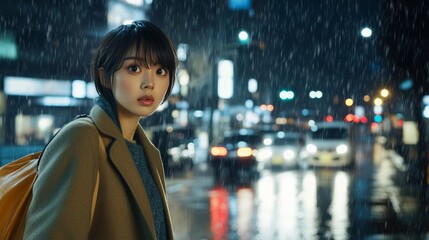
x=62, y=194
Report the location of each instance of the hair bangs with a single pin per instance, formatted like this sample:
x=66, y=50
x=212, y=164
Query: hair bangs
x=150, y=51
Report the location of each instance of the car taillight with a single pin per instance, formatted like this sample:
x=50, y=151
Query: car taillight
x=244, y=152
x=219, y=151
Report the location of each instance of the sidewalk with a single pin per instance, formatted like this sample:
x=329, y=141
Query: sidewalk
x=400, y=195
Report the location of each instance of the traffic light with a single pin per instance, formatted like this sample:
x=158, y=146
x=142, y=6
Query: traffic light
x=286, y=95
x=243, y=37
x=378, y=118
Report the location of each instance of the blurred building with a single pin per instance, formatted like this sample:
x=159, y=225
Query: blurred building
x=45, y=54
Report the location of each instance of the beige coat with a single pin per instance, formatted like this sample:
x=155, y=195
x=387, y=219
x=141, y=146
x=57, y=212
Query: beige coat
x=62, y=196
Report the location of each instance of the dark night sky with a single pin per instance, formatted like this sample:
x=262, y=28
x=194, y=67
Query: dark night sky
x=310, y=45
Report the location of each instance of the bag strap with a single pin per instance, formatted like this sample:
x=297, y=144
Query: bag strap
x=50, y=140
x=103, y=155
x=97, y=181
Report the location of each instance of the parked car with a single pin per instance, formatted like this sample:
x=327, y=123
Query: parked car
x=177, y=147
x=235, y=154
x=330, y=144
x=181, y=153
x=281, y=150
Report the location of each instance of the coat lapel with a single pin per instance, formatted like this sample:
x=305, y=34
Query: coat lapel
x=155, y=165
x=121, y=158
x=153, y=156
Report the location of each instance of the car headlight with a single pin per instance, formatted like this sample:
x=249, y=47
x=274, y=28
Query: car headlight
x=191, y=146
x=265, y=153
x=311, y=148
x=174, y=151
x=268, y=141
x=341, y=149
x=289, y=154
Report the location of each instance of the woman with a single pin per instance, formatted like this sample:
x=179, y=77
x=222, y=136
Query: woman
x=134, y=72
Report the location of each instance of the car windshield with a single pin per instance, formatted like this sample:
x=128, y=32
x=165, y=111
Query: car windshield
x=330, y=133
x=286, y=140
x=249, y=139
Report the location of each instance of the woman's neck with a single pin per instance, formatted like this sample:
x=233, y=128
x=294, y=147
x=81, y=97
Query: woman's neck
x=128, y=122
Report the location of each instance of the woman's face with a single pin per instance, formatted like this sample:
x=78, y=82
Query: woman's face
x=138, y=89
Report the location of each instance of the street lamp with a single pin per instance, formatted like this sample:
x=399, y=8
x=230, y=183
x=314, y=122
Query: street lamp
x=349, y=102
x=252, y=85
x=384, y=92
x=366, y=32
x=378, y=101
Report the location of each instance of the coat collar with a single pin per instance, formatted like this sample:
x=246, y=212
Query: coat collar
x=121, y=158
x=104, y=123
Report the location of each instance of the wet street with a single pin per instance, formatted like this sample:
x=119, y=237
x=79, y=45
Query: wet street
x=377, y=199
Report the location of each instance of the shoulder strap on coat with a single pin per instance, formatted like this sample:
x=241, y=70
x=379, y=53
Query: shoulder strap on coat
x=41, y=152
x=103, y=155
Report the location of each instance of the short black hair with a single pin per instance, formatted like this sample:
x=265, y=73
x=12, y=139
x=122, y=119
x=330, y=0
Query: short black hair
x=141, y=36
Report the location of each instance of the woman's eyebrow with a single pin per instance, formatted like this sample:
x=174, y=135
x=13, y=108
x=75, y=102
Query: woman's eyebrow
x=133, y=58
x=140, y=59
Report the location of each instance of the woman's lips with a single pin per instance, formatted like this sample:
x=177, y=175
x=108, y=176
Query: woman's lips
x=146, y=100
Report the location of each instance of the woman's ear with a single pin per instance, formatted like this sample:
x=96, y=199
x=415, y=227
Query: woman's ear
x=103, y=78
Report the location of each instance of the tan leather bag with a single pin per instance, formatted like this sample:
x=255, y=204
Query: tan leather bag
x=16, y=185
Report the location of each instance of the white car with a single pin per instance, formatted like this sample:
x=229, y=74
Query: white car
x=330, y=144
x=280, y=150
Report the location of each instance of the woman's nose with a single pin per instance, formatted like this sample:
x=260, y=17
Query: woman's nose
x=147, y=82
x=148, y=85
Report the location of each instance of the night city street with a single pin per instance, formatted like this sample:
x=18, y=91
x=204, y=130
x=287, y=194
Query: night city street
x=287, y=119
x=375, y=200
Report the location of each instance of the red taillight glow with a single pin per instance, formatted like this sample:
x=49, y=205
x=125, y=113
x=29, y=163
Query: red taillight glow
x=349, y=117
x=244, y=152
x=329, y=118
x=219, y=151
x=219, y=212
x=363, y=119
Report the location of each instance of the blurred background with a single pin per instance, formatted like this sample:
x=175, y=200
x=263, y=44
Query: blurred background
x=271, y=95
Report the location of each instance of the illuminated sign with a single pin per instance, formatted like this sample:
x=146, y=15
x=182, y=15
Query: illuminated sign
x=239, y=4
x=8, y=48
x=225, y=87
x=23, y=86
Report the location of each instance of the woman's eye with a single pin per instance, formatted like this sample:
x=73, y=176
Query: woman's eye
x=134, y=69
x=162, y=71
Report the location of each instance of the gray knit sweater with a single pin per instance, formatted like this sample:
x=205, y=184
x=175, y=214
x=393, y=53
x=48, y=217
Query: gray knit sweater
x=140, y=161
